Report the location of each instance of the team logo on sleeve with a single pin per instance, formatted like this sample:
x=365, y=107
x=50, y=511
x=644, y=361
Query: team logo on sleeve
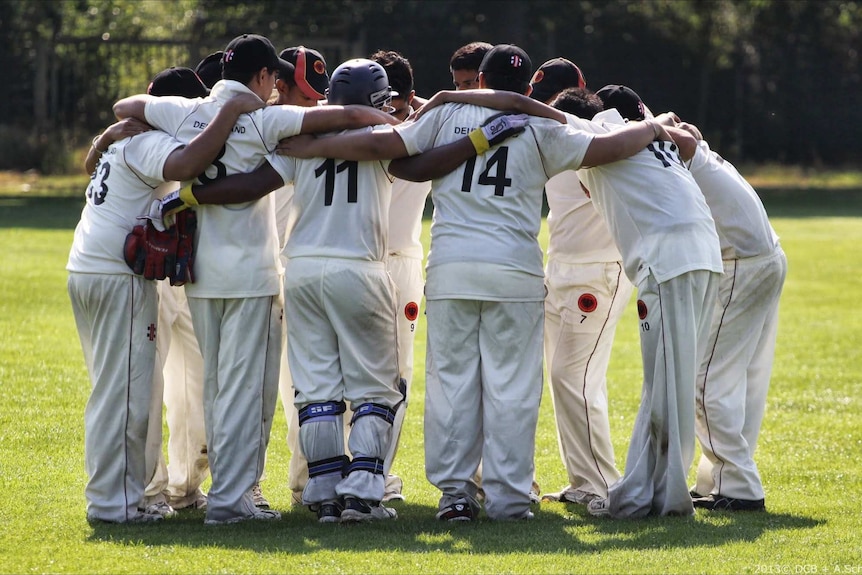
x=411, y=311
x=587, y=303
x=642, y=309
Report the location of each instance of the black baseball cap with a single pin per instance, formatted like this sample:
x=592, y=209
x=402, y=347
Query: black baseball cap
x=554, y=76
x=250, y=53
x=310, y=70
x=209, y=69
x=177, y=82
x=508, y=60
x=624, y=99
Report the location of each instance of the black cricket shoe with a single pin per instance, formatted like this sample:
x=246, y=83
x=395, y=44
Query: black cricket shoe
x=722, y=503
x=460, y=510
x=328, y=511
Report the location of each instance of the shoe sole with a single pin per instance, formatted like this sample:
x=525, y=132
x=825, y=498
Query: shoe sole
x=712, y=505
x=567, y=500
x=240, y=519
x=351, y=516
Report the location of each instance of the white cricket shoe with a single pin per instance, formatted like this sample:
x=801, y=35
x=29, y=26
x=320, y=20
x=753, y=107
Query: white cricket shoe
x=600, y=507
x=392, y=489
x=358, y=510
x=259, y=500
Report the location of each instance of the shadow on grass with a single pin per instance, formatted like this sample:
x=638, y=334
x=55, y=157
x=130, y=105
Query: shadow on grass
x=564, y=530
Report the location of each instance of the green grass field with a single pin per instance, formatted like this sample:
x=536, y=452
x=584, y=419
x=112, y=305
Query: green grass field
x=808, y=455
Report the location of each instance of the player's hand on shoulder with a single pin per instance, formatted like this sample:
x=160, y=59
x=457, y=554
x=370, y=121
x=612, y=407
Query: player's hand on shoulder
x=667, y=119
x=245, y=103
x=125, y=128
x=503, y=126
x=300, y=146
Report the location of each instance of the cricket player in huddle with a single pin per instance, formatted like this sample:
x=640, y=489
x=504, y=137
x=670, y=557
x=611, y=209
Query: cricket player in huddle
x=733, y=379
x=404, y=256
x=234, y=299
x=340, y=312
x=305, y=87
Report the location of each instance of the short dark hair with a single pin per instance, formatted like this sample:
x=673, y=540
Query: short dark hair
x=579, y=102
x=469, y=56
x=398, y=69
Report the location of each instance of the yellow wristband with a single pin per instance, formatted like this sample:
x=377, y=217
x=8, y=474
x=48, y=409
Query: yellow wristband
x=187, y=196
x=480, y=142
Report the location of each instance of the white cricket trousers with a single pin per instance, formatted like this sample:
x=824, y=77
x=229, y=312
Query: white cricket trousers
x=179, y=373
x=406, y=273
x=342, y=345
x=483, y=386
x=734, y=375
x=674, y=324
x=583, y=306
x=116, y=317
x=240, y=340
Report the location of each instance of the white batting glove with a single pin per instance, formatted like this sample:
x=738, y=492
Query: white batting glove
x=497, y=129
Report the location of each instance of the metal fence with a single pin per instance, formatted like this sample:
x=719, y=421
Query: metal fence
x=77, y=80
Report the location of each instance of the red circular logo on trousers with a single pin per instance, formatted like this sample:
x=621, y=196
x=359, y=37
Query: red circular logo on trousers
x=642, y=309
x=411, y=311
x=587, y=303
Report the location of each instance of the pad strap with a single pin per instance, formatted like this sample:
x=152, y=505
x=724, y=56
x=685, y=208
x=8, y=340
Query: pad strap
x=325, y=409
x=381, y=411
x=329, y=466
x=370, y=464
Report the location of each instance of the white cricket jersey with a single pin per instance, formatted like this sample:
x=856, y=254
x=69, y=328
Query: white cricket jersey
x=341, y=207
x=405, y=217
x=284, y=220
x=654, y=211
x=487, y=212
x=577, y=233
x=121, y=189
x=236, y=245
x=740, y=218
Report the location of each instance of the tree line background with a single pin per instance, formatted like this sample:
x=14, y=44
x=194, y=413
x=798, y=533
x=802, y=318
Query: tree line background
x=766, y=80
